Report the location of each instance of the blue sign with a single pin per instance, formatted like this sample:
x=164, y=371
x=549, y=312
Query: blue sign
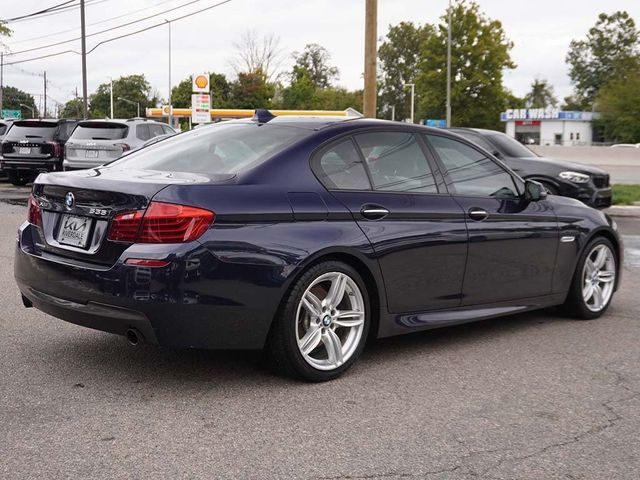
x=17, y=114
x=435, y=122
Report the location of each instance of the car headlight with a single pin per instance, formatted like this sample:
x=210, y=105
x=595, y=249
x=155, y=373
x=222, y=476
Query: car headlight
x=574, y=177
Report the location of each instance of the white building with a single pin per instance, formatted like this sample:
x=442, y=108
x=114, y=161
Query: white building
x=549, y=126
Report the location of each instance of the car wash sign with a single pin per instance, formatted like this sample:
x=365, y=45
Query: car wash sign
x=548, y=113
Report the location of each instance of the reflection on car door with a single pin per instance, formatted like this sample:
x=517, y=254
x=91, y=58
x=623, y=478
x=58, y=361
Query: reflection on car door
x=512, y=242
x=418, y=235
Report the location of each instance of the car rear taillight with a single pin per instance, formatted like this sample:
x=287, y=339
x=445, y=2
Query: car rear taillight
x=125, y=147
x=55, y=148
x=161, y=223
x=34, y=214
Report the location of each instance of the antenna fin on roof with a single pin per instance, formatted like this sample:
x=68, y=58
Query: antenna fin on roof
x=262, y=115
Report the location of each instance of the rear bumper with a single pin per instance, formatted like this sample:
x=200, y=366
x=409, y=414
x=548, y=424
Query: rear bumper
x=195, y=301
x=68, y=165
x=30, y=166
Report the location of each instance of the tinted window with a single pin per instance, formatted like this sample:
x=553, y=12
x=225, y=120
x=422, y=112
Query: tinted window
x=100, y=131
x=219, y=149
x=168, y=130
x=155, y=129
x=396, y=162
x=3, y=128
x=65, y=130
x=142, y=132
x=510, y=147
x=477, y=139
x=471, y=172
x=30, y=129
x=340, y=167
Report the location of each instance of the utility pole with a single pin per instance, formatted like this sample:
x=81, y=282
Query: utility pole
x=1, y=79
x=84, y=59
x=370, y=58
x=45, y=94
x=449, y=69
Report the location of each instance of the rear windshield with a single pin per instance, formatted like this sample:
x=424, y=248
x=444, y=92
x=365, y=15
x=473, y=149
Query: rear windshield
x=99, y=131
x=34, y=130
x=217, y=149
x=510, y=147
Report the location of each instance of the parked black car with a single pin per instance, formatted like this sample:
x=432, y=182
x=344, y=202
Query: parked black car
x=34, y=146
x=308, y=236
x=586, y=183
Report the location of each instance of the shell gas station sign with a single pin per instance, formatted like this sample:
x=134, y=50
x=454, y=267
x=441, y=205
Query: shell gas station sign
x=200, y=83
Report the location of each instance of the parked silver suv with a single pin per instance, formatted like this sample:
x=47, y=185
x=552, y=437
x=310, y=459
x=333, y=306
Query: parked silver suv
x=96, y=142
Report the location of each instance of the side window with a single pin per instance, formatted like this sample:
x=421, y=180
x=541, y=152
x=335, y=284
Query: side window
x=396, y=162
x=470, y=172
x=168, y=130
x=155, y=130
x=477, y=139
x=340, y=167
x=142, y=132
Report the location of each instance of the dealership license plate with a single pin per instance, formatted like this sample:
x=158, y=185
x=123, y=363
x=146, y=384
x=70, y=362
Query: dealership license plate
x=92, y=154
x=74, y=231
x=24, y=150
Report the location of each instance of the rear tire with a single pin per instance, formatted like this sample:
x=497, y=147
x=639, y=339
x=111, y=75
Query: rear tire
x=16, y=179
x=594, y=281
x=322, y=325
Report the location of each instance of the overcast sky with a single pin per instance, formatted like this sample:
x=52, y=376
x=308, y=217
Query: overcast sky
x=540, y=30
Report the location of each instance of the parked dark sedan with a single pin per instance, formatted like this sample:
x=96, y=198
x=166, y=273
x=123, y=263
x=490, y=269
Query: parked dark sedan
x=308, y=236
x=586, y=183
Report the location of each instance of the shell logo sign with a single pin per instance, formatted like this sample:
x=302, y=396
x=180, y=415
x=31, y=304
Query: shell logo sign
x=200, y=83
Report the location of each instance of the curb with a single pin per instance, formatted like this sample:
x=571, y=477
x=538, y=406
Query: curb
x=623, y=211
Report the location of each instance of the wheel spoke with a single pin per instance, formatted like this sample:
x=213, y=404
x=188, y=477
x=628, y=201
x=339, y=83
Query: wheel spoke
x=605, y=276
x=336, y=292
x=589, y=266
x=310, y=340
x=587, y=292
x=334, y=347
x=598, y=298
x=312, y=304
x=349, y=319
x=601, y=257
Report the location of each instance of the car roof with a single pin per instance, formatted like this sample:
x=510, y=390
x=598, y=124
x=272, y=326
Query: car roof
x=124, y=121
x=483, y=131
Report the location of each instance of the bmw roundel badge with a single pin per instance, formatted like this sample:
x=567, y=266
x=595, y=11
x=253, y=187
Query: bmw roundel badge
x=69, y=200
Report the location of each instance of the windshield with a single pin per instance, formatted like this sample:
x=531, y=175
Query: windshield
x=31, y=130
x=219, y=149
x=99, y=131
x=510, y=147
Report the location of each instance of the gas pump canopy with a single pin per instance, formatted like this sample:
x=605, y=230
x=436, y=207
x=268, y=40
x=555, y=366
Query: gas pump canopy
x=231, y=113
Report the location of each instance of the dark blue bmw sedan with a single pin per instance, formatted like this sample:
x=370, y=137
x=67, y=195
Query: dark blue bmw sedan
x=306, y=236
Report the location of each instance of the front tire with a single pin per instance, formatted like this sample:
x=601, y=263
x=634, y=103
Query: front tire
x=16, y=179
x=593, y=281
x=323, y=324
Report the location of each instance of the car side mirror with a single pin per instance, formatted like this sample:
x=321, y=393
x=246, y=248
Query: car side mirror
x=534, y=191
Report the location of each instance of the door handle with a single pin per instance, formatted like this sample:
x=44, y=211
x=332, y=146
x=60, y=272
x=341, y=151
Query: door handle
x=374, y=212
x=478, y=214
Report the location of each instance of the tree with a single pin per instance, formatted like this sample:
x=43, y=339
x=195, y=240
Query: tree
x=314, y=62
x=134, y=88
x=72, y=109
x=251, y=90
x=254, y=53
x=618, y=102
x=541, y=95
x=12, y=99
x=4, y=30
x=301, y=94
x=399, y=62
x=338, y=98
x=611, y=46
x=480, y=53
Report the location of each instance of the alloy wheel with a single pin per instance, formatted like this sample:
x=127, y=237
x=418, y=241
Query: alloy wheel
x=330, y=319
x=598, y=277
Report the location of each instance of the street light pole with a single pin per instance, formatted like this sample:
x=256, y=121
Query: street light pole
x=33, y=113
x=170, y=109
x=137, y=104
x=111, y=95
x=449, y=69
x=413, y=97
x=83, y=42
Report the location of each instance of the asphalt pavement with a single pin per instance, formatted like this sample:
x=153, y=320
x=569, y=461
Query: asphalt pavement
x=530, y=396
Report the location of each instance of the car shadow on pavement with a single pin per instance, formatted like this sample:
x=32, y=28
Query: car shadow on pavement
x=108, y=358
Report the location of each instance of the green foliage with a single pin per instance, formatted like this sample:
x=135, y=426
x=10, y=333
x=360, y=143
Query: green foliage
x=313, y=62
x=480, y=53
x=626, y=194
x=541, y=95
x=611, y=47
x=301, y=94
x=399, y=58
x=13, y=97
x=132, y=87
x=251, y=90
x=72, y=109
x=619, y=105
x=338, y=98
x=4, y=30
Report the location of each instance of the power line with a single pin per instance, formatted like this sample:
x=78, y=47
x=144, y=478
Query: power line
x=66, y=9
x=102, y=31
x=54, y=7
x=16, y=62
x=106, y=20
